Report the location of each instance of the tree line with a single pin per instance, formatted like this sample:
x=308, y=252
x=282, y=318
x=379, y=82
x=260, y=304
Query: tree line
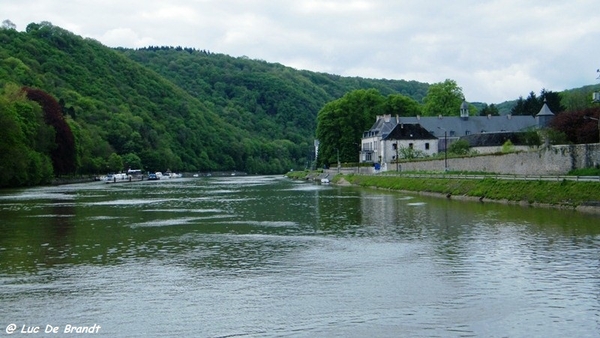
x=341, y=123
x=158, y=108
x=179, y=108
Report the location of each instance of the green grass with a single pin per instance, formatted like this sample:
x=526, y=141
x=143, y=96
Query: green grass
x=585, y=172
x=567, y=193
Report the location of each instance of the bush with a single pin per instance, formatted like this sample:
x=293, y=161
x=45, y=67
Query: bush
x=460, y=147
x=508, y=147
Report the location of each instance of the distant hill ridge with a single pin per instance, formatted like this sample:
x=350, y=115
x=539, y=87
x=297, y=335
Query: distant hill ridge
x=178, y=108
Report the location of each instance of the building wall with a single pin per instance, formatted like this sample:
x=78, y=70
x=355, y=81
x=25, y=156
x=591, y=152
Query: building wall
x=386, y=150
x=555, y=160
x=498, y=149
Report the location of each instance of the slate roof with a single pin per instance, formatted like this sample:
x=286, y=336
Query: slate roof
x=382, y=127
x=409, y=132
x=495, y=139
x=457, y=126
x=545, y=111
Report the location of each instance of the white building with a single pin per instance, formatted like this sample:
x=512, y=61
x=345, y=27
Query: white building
x=430, y=135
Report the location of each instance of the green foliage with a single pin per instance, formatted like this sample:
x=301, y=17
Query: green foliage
x=491, y=110
x=340, y=124
x=556, y=137
x=533, y=104
x=397, y=104
x=174, y=108
x=25, y=141
x=444, y=99
x=530, y=137
x=460, y=147
x=63, y=154
x=586, y=171
x=410, y=153
x=115, y=163
x=508, y=147
x=579, y=98
x=550, y=192
x=132, y=161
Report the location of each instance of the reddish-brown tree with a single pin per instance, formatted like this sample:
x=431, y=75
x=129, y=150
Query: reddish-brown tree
x=576, y=127
x=63, y=155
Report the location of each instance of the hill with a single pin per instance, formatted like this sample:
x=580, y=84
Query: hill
x=176, y=108
x=260, y=97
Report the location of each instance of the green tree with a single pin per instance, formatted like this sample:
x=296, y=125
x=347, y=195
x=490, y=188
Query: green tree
x=460, y=147
x=397, y=104
x=176, y=107
x=444, y=99
x=25, y=141
x=340, y=124
x=489, y=110
x=533, y=104
x=132, y=161
x=115, y=163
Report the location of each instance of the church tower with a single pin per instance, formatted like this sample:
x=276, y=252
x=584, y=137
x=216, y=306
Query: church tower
x=464, y=110
x=544, y=116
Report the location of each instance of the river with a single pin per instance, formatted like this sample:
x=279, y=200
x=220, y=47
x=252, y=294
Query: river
x=266, y=256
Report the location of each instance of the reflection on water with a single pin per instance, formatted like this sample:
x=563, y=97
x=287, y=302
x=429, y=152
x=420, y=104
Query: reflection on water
x=266, y=256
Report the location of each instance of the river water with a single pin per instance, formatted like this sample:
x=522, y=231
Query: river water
x=267, y=256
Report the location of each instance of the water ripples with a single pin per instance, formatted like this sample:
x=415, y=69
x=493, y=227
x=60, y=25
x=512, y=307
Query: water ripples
x=269, y=257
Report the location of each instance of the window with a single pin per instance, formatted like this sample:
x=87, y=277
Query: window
x=410, y=145
x=427, y=146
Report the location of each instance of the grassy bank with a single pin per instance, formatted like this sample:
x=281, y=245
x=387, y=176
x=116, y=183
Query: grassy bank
x=555, y=193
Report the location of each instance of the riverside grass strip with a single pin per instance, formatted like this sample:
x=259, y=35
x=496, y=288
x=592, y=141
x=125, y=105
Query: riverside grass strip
x=564, y=193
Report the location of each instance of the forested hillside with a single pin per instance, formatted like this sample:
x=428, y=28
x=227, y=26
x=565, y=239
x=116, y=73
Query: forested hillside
x=263, y=98
x=166, y=108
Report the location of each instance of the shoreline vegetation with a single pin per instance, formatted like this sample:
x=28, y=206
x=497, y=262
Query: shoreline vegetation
x=562, y=194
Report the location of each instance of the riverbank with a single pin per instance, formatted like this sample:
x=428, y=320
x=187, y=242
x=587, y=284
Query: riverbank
x=564, y=194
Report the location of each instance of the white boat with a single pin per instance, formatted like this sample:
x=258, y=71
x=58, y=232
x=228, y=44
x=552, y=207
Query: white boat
x=170, y=174
x=120, y=177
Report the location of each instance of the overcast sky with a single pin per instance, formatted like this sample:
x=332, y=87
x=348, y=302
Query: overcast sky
x=495, y=50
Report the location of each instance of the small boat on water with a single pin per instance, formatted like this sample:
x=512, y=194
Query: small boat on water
x=131, y=175
x=170, y=174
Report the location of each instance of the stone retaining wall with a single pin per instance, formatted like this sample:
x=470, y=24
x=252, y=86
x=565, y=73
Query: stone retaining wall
x=554, y=160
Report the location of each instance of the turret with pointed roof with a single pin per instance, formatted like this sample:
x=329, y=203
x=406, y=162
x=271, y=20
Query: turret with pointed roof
x=464, y=110
x=544, y=116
